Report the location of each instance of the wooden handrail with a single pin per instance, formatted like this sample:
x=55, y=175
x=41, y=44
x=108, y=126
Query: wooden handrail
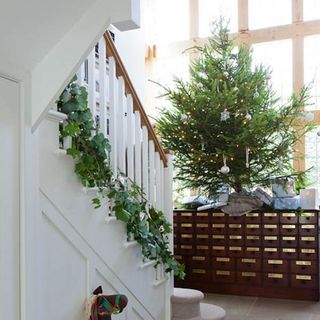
x=111, y=51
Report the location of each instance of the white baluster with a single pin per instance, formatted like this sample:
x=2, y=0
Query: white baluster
x=103, y=86
x=121, y=121
x=161, y=202
x=145, y=167
x=152, y=173
x=80, y=75
x=92, y=82
x=113, y=113
x=158, y=181
x=137, y=149
x=130, y=137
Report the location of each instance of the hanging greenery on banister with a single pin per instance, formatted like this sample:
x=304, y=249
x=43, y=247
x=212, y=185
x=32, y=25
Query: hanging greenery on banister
x=90, y=149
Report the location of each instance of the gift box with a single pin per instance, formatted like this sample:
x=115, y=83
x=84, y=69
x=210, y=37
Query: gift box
x=283, y=187
x=263, y=196
x=309, y=198
x=287, y=203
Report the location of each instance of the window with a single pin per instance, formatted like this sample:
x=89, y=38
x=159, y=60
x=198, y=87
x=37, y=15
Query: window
x=312, y=160
x=277, y=55
x=168, y=21
x=312, y=69
x=311, y=10
x=266, y=13
x=210, y=10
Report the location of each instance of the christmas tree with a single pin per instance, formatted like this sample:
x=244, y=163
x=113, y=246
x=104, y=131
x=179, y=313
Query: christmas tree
x=225, y=125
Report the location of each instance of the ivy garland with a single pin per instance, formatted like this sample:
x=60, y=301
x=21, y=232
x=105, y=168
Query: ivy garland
x=90, y=150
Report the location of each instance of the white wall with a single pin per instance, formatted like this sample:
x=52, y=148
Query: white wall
x=9, y=200
x=131, y=47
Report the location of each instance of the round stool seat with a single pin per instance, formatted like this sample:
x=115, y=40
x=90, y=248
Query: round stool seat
x=211, y=312
x=181, y=295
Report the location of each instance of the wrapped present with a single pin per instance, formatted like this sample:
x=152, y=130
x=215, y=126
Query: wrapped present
x=283, y=187
x=263, y=196
x=309, y=198
x=287, y=203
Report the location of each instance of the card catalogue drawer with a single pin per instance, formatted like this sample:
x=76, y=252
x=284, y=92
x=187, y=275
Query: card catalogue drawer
x=186, y=217
x=199, y=273
x=250, y=264
x=275, y=265
x=304, y=266
x=271, y=253
x=270, y=217
x=253, y=217
x=202, y=228
x=289, y=229
x=202, y=217
x=253, y=252
x=275, y=279
x=219, y=240
x=308, y=229
x=270, y=241
x=308, y=242
x=249, y=278
x=236, y=219
x=289, y=253
x=289, y=241
x=223, y=276
x=219, y=251
x=202, y=249
x=253, y=229
x=303, y=281
x=235, y=228
x=236, y=240
x=270, y=229
x=308, y=254
x=252, y=241
x=308, y=218
x=202, y=239
x=235, y=251
x=288, y=217
x=185, y=249
x=218, y=217
x=219, y=228
x=186, y=238
x=186, y=228
x=223, y=263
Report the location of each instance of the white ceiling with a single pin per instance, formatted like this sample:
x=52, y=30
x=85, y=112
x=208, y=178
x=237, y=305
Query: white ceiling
x=30, y=28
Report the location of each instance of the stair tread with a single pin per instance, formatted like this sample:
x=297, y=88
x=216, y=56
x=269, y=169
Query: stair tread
x=181, y=295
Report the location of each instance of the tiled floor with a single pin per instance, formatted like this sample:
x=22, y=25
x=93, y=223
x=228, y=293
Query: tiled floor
x=251, y=308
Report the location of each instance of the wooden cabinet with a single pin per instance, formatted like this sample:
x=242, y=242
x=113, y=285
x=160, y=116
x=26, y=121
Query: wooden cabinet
x=269, y=254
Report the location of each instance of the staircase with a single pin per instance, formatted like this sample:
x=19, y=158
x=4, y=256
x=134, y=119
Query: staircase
x=82, y=247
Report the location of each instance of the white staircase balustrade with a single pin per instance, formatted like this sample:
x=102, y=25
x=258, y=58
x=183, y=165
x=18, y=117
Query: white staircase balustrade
x=135, y=152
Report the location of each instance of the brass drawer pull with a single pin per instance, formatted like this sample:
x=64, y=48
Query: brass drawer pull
x=308, y=226
x=303, y=277
x=275, y=262
x=222, y=273
x=186, y=236
x=308, y=238
x=235, y=248
x=244, y=260
x=288, y=226
x=248, y=274
x=198, y=258
x=202, y=214
x=202, y=236
x=202, y=247
x=218, y=225
x=271, y=249
x=289, y=250
x=223, y=259
x=270, y=214
x=252, y=215
x=275, y=275
x=270, y=226
x=308, y=214
x=289, y=238
x=253, y=249
x=202, y=225
x=186, y=225
x=289, y=214
x=235, y=237
x=218, y=248
x=185, y=247
x=303, y=263
x=186, y=214
x=273, y=238
x=218, y=214
x=237, y=226
x=308, y=251
x=253, y=238
x=199, y=271
x=253, y=226
x=217, y=237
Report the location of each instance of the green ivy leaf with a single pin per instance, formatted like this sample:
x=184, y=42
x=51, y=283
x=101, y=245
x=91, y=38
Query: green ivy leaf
x=73, y=152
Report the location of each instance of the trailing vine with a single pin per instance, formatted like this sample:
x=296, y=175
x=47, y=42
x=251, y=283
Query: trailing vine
x=91, y=149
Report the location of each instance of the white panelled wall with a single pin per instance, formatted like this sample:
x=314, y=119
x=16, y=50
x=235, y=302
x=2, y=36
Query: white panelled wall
x=82, y=247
